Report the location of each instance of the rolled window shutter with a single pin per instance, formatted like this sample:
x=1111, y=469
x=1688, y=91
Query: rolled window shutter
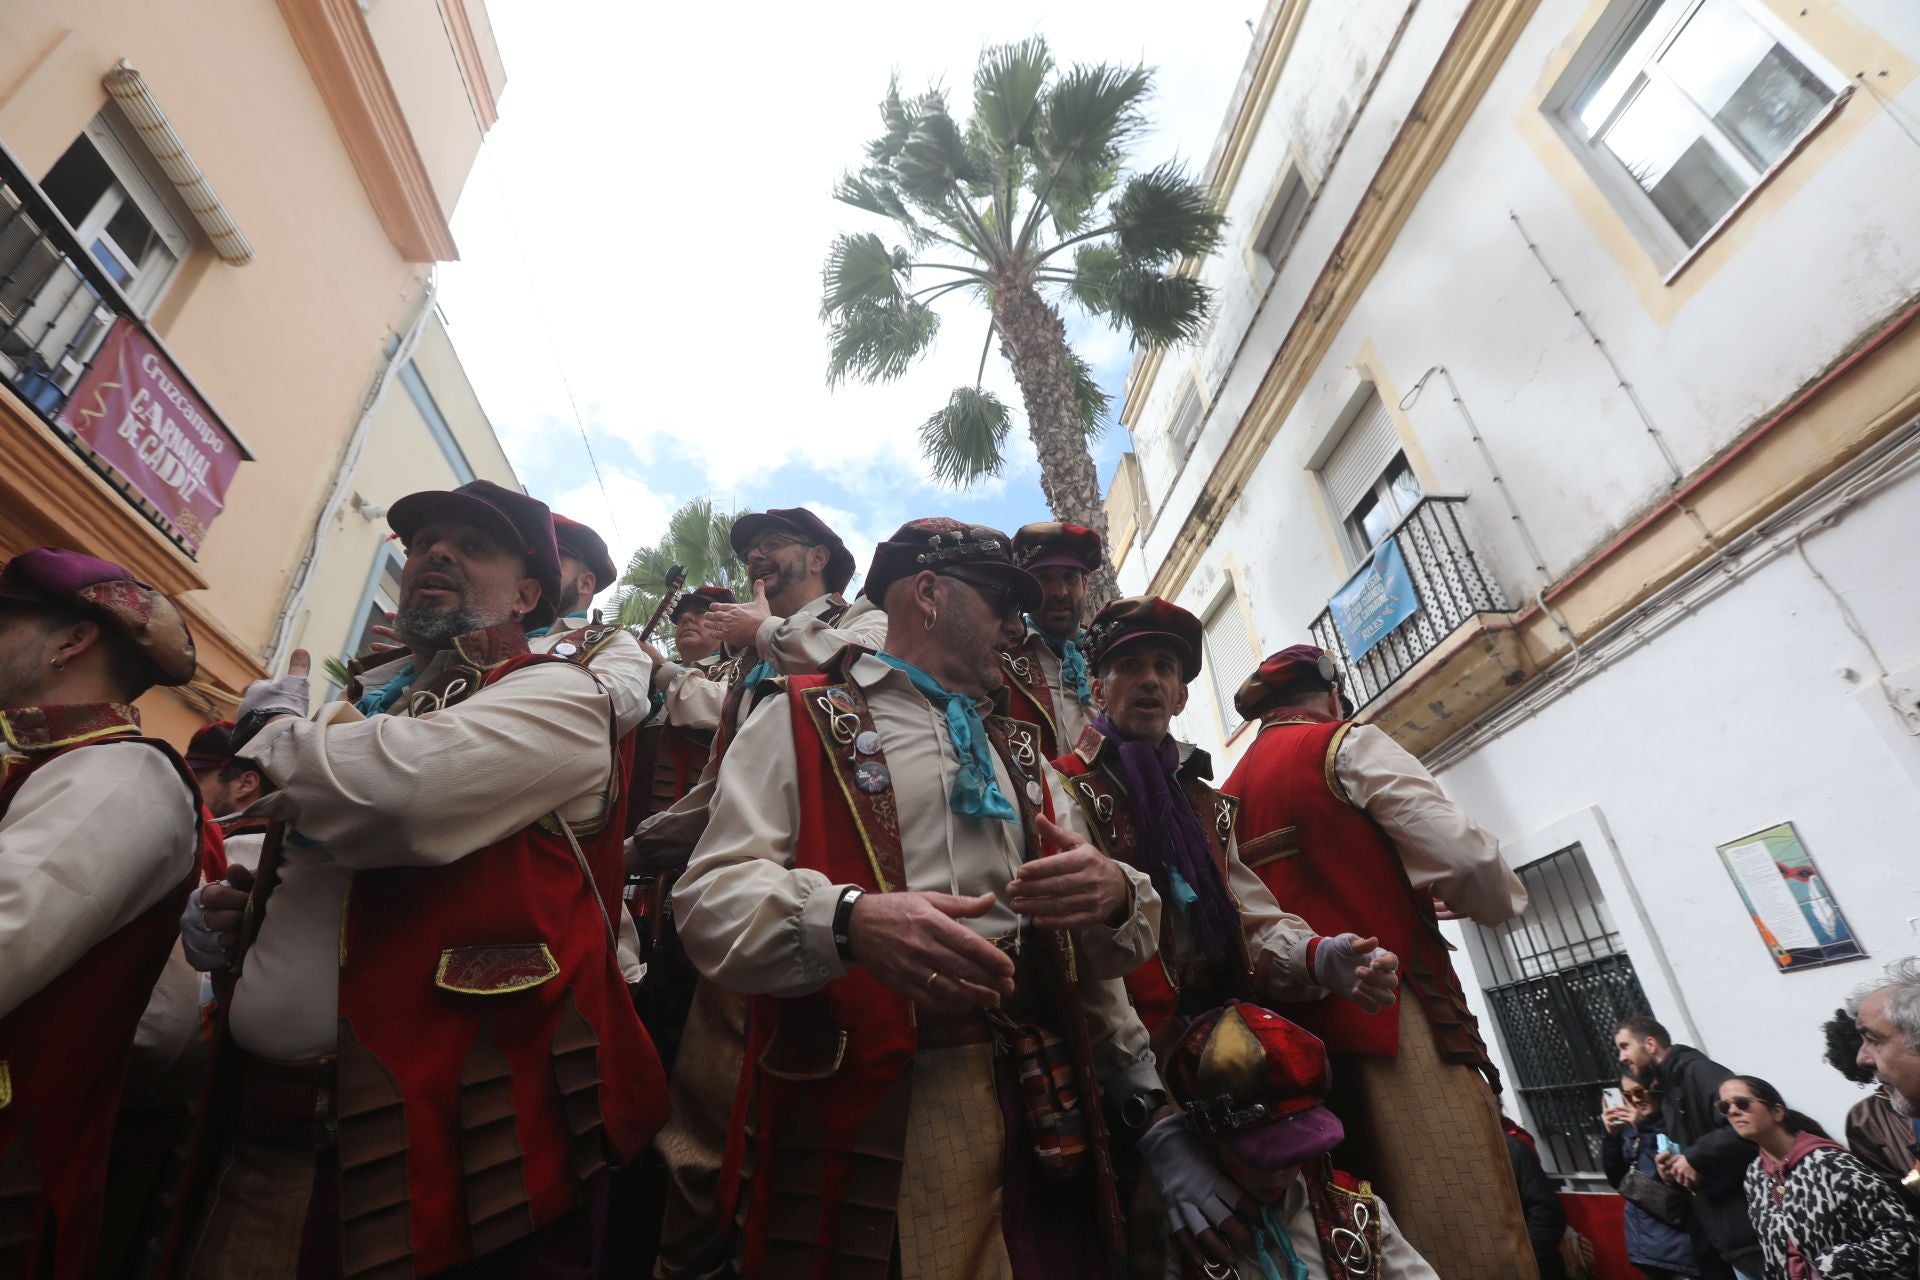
x=1363, y=453
x=1230, y=655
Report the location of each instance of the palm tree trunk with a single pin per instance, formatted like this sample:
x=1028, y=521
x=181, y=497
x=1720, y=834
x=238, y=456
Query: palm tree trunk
x=1034, y=341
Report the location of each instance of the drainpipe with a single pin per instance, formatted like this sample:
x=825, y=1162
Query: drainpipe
x=296, y=597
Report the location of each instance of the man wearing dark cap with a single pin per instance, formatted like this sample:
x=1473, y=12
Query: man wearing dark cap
x=586, y=567
x=610, y=652
x=875, y=876
x=101, y=836
x=1351, y=832
x=427, y=996
x=797, y=619
x=1253, y=1087
x=692, y=697
x=1144, y=796
x=1047, y=678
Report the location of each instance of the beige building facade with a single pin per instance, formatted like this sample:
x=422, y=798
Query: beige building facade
x=241, y=204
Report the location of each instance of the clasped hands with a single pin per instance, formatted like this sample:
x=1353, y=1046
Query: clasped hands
x=914, y=943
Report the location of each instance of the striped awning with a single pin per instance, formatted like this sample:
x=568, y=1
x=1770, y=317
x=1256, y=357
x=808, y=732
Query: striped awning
x=126, y=87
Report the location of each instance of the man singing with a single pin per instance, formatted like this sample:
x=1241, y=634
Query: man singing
x=1048, y=682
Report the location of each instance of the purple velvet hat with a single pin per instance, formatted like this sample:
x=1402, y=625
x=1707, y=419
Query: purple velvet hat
x=106, y=591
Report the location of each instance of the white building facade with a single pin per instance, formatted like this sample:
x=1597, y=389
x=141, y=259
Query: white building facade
x=1564, y=381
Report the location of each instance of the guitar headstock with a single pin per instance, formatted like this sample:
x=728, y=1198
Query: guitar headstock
x=676, y=578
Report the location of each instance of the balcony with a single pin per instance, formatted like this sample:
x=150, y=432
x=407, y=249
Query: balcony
x=1449, y=651
x=79, y=355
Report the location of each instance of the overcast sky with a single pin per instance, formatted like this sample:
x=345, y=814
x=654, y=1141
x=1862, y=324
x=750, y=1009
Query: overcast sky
x=647, y=222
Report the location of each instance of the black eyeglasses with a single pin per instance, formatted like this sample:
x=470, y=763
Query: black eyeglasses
x=1002, y=599
x=1727, y=1105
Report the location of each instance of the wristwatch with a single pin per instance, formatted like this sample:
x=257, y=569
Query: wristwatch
x=1137, y=1110
x=843, y=920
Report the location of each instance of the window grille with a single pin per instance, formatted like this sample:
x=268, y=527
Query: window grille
x=1558, y=982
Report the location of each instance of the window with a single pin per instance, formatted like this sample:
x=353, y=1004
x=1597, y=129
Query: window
x=1230, y=657
x=1187, y=414
x=1284, y=216
x=1558, y=980
x=121, y=216
x=377, y=602
x=1692, y=102
x=1369, y=484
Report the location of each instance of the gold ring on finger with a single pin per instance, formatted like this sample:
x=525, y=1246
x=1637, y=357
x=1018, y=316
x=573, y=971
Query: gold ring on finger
x=932, y=978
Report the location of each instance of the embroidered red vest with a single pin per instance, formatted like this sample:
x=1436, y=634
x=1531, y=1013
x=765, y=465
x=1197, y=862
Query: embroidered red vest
x=1332, y=865
x=1029, y=696
x=812, y=1163
x=490, y=1056
x=64, y=1050
x=1159, y=987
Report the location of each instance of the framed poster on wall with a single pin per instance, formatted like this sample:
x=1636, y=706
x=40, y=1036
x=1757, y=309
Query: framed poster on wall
x=1788, y=900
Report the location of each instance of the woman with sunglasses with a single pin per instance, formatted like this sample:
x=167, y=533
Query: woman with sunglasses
x=1820, y=1213
x=1660, y=1228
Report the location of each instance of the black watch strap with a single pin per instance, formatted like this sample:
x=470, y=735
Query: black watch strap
x=843, y=921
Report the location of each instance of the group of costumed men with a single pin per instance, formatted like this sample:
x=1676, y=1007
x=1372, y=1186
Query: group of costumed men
x=892, y=937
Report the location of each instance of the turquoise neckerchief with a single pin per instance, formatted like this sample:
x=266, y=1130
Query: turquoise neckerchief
x=1271, y=1228
x=976, y=793
x=1073, y=663
x=761, y=670
x=381, y=700
x=548, y=629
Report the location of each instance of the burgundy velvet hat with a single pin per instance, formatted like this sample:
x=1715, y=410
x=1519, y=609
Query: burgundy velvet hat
x=1296, y=667
x=795, y=522
x=945, y=545
x=589, y=548
x=1053, y=545
x=55, y=576
x=211, y=746
x=702, y=598
x=1251, y=1079
x=516, y=521
x=1132, y=619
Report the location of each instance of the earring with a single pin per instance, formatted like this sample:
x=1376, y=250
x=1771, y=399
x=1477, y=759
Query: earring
x=59, y=665
x=931, y=619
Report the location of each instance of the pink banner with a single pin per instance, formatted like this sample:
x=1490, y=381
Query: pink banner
x=135, y=411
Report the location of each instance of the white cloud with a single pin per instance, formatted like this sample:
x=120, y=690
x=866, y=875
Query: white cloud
x=649, y=219
x=636, y=517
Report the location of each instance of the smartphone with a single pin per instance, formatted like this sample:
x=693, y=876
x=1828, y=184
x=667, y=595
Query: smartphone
x=1666, y=1146
x=1611, y=1098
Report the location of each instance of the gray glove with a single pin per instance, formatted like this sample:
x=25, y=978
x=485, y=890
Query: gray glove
x=1197, y=1194
x=286, y=696
x=201, y=944
x=1336, y=966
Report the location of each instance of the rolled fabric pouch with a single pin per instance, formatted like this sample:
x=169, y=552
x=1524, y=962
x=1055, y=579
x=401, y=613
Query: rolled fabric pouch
x=1050, y=1096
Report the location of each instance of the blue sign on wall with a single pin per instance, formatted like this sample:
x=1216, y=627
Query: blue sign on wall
x=1375, y=600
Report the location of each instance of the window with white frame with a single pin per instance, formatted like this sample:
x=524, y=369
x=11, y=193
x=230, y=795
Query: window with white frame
x=1368, y=482
x=1683, y=106
x=377, y=602
x=1185, y=424
x=1284, y=216
x=1230, y=656
x=122, y=216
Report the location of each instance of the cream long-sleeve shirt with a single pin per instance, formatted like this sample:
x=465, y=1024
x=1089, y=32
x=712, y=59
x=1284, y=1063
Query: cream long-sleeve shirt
x=89, y=842
x=395, y=791
x=803, y=641
x=1399, y=1260
x=693, y=699
x=1446, y=853
x=1069, y=713
x=625, y=670
x=754, y=923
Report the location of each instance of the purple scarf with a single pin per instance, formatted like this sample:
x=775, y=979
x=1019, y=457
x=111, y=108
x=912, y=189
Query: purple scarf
x=1168, y=839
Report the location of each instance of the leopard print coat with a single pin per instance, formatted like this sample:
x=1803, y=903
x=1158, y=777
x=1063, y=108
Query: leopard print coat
x=1849, y=1223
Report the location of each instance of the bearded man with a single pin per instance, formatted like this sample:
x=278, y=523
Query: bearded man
x=102, y=834
x=1047, y=676
x=428, y=998
x=877, y=876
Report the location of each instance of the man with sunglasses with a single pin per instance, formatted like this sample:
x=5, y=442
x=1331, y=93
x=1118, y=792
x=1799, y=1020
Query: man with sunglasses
x=1048, y=681
x=872, y=877
x=1712, y=1160
x=1354, y=836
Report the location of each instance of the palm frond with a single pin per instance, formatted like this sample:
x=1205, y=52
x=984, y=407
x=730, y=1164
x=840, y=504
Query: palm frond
x=1007, y=95
x=1158, y=308
x=1096, y=269
x=934, y=166
x=860, y=268
x=1163, y=214
x=877, y=341
x=966, y=439
x=1093, y=401
x=696, y=540
x=1090, y=116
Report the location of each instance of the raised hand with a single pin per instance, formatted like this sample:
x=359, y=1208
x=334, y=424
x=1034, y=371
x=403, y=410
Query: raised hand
x=915, y=944
x=1075, y=887
x=1356, y=968
x=737, y=624
x=286, y=696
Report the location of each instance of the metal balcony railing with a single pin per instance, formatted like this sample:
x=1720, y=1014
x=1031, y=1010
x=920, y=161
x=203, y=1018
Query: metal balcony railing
x=58, y=304
x=1449, y=583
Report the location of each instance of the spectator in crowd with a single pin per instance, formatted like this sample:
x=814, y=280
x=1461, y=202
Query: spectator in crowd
x=1660, y=1229
x=1888, y=1015
x=1820, y=1213
x=1546, y=1220
x=1712, y=1159
x=1882, y=1138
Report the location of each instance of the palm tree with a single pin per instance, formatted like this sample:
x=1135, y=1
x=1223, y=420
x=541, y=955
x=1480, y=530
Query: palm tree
x=1027, y=208
x=696, y=540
